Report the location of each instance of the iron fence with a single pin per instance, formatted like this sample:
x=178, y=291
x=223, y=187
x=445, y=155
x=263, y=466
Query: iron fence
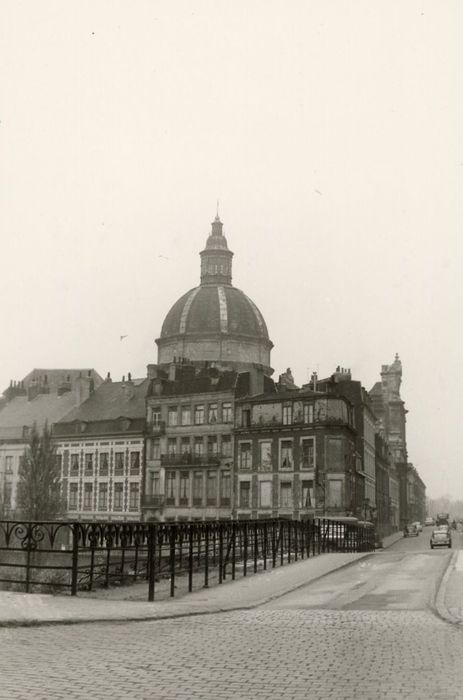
x=80, y=556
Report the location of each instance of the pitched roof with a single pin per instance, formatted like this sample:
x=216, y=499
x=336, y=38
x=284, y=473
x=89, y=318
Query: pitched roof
x=43, y=408
x=112, y=400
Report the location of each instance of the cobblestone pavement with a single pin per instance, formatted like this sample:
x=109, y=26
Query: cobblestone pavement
x=295, y=654
x=354, y=646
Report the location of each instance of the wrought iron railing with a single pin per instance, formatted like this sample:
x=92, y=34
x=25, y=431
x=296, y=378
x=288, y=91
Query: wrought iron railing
x=190, y=459
x=79, y=556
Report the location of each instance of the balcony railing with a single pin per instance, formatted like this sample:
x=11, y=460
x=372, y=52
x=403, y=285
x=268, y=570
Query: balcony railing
x=189, y=459
x=157, y=429
x=152, y=501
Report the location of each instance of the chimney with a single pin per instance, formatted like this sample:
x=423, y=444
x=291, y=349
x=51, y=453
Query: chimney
x=82, y=389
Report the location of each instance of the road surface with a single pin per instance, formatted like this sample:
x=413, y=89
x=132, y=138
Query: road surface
x=367, y=631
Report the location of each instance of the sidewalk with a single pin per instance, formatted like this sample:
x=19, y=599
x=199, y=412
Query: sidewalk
x=35, y=609
x=449, y=599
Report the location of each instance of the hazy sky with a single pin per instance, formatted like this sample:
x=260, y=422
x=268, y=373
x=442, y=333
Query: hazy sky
x=331, y=132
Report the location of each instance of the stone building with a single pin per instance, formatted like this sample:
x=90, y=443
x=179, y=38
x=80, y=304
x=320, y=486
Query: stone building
x=43, y=396
x=294, y=454
x=405, y=485
x=100, y=446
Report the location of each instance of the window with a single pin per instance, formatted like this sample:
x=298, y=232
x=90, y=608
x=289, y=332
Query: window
x=88, y=493
x=212, y=445
x=307, y=453
x=245, y=417
x=7, y=493
x=225, y=489
x=286, y=494
x=199, y=415
x=9, y=464
x=307, y=494
x=245, y=455
x=265, y=494
x=245, y=494
x=212, y=413
x=73, y=489
x=74, y=464
x=185, y=446
x=119, y=463
x=186, y=415
x=334, y=499
x=286, y=454
x=155, y=485
x=170, y=488
x=335, y=461
x=197, y=488
x=103, y=496
x=172, y=415
x=89, y=463
x=171, y=446
x=199, y=446
x=118, y=494
x=156, y=449
x=287, y=414
x=156, y=415
x=227, y=415
x=307, y=415
x=104, y=463
x=59, y=462
x=184, y=488
x=265, y=456
x=134, y=463
x=226, y=446
x=134, y=496
x=211, y=488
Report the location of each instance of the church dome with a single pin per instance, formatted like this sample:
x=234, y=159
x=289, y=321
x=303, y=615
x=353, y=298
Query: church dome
x=215, y=321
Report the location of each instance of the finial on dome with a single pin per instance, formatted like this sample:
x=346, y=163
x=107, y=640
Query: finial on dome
x=217, y=216
x=397, y=357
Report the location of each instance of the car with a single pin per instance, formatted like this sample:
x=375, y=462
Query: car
x=440, y=537
x=411, y=530
x=419, y=526
x=429, y=521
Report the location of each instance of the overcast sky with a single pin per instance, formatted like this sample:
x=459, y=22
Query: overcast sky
x=331, y=133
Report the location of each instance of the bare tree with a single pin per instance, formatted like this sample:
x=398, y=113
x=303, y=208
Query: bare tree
x=39, y=488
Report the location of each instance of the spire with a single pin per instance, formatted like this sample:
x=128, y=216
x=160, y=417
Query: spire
x=216, y=259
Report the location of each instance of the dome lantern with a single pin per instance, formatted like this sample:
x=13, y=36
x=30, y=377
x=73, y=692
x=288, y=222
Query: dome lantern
x=216, y=259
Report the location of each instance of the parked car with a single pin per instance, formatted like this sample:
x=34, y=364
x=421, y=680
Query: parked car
x=411, y=530
x=419, y=526
x=429, y=521
x=440, y=537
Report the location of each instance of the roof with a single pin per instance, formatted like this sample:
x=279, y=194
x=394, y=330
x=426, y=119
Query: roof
x=215, y=308
x=43, y=408
x=110, y=401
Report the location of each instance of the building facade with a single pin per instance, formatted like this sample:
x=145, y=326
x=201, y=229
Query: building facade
x=293, y=455
x=42, y=397
x=101, y=449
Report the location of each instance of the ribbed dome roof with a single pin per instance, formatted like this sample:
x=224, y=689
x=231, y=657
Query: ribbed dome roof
x=213, y=308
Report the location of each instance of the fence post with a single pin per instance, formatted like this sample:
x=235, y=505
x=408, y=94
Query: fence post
x=75, y=557
x=245, y=553
x=190, y=557
x=151, y=559
x=233, y=550
x=255, y=545
x=220, y=552
x=274, y=548
x=172, y=541
x=206, y=559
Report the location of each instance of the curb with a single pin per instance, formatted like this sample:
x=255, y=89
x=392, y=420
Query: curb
x=439, y=596
x=174, y=615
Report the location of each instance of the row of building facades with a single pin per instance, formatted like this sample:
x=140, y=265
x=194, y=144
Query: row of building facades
x=209, y=434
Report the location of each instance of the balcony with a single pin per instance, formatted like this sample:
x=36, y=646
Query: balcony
x=156, y=429
x=188, y=459
x=152, y=501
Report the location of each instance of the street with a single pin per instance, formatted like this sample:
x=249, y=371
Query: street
x=366, y=631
